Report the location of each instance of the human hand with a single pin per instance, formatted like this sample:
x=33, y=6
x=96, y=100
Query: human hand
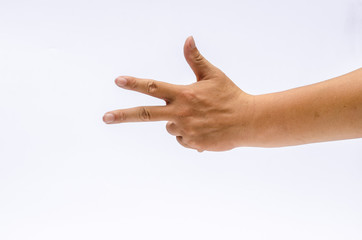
x=211, y=114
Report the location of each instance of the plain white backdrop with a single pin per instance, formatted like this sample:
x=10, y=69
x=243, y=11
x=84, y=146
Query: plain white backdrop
x=64, y=174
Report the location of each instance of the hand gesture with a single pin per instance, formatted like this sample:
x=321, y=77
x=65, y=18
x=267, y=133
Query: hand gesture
x=209, y=114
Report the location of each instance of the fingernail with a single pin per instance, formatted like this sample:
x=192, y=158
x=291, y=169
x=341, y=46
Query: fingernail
x=121, y=81
x=192, y=43
x=108, y=117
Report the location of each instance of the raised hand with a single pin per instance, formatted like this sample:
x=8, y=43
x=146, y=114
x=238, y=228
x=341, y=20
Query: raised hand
x=209, y=114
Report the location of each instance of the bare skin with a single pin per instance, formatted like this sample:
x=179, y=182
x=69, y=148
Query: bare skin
x=214, y=114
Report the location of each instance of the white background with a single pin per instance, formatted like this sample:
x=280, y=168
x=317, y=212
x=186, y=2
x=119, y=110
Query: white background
x=64, y=174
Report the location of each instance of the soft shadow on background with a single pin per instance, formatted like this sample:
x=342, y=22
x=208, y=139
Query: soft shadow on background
x=64, y=174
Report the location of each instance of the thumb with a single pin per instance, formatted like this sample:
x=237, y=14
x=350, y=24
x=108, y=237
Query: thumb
x=199, y=65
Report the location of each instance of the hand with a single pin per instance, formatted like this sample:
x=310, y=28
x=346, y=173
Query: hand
x=210, y=114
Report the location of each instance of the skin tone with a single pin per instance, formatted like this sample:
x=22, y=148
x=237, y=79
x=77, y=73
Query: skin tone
x=214, y=114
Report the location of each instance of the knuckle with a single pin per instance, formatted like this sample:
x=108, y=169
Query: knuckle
x=121, y=116
x=198, y=57
x=132, y=83
x=169, y=127
x=184, y=112
x=188, y=95
x=151, y=86
x=144, y=114
x=173, y=130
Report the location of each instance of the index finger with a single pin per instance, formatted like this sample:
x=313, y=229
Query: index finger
x=150, y=87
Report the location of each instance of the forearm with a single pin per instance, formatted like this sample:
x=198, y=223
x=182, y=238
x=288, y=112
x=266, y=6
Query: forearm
x=325, y=111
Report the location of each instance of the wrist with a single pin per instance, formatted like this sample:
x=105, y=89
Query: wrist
x=265, y=124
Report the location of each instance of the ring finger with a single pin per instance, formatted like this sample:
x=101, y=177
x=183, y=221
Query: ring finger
x=173, y=129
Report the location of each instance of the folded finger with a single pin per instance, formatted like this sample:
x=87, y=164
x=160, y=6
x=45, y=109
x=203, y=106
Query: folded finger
x=184, y=143
x=173, y=129
x=180, y=141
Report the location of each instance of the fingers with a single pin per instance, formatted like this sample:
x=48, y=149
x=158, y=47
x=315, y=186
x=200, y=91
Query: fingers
x=172, y=129
x=150, y=87
x=181, y=141
x=138, y=114
x=199, y=65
